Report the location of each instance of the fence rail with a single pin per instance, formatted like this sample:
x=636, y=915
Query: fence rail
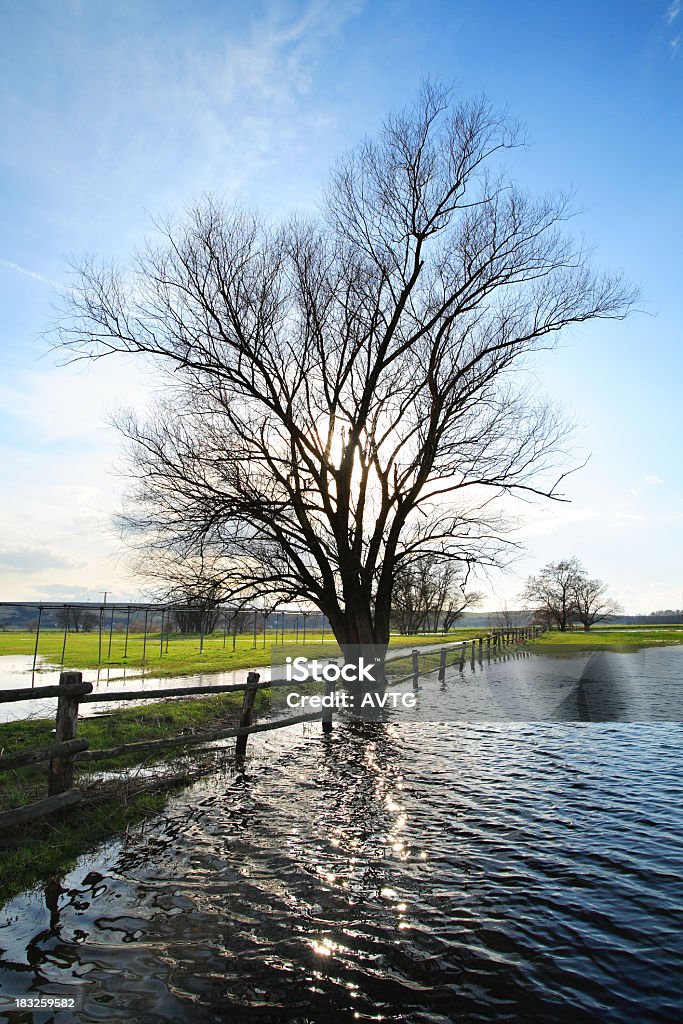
x=67, y=749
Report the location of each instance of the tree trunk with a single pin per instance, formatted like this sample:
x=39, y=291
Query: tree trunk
x=364, y=635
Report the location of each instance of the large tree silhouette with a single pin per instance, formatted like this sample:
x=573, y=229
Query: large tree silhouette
x=342, y=392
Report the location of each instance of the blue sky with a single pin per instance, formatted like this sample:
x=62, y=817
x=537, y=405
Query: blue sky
x=114, y=112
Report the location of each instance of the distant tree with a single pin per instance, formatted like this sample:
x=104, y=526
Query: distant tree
x=552, y=590
x=89, y=621
x=430, y=594
x=62, y=619
x=509, y=618
x=592, y=603
x=76, y=619
x=192, y=585
x=542, y=617
x=563, y=592
x=196, y=614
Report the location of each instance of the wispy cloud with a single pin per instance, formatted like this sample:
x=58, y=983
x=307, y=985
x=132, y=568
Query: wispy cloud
x=29, y=273
x=674, y=45
x=673, y=11
x=653, y=479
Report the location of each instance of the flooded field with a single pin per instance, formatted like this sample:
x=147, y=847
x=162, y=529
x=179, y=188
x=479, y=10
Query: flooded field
x=15, y=673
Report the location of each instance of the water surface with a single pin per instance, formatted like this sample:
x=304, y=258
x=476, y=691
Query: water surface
x=419, y=872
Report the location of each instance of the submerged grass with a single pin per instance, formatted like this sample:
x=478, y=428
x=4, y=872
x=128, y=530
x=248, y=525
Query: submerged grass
x=50, y=846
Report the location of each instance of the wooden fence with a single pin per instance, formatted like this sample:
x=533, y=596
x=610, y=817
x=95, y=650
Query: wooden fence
x=66, y=749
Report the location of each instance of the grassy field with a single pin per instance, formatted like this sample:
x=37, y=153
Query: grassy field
x=181, y=655
x=628, y=638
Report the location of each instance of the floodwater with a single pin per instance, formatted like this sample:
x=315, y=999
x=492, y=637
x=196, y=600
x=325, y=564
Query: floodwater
x=397, y=871
x=15, y=673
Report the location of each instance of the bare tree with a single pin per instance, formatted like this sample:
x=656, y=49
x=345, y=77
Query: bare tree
x=89, y=621
x=553, y=589
x=194, y=587
x=510, y=618
x=408, y=611
x=68, y=618
x=75, y=619
x=592, y=603
x=430, y=594
x=342, y=393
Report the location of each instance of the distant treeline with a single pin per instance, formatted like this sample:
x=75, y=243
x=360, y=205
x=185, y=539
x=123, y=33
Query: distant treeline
x=25, y=617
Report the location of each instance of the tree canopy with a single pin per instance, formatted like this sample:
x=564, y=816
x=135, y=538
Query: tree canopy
x=342, y=391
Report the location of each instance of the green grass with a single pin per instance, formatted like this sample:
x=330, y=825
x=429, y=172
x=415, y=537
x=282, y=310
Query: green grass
x=59, y=842
x=608, y=639
x=183, y=656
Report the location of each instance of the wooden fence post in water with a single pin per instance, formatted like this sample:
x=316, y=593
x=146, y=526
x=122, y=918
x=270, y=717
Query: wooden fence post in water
x=327, y=712
x=462, y=653
x=61, y=771
x=442, y=666
x=416, y=669
x=247, y=712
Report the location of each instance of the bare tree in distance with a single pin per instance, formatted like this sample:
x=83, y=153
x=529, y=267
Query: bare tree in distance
x=75, y=619
x=552, y=590
x=563, y=592
x=592, y=603
x=343, y=393
x=89, y=621
x=430, y=594
x=509, y=618
x=192, y=586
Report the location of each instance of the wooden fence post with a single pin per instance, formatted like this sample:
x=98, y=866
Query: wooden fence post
x=481, y=647
x=61, y=770
x=462, y=654
x=247, y=712
x=416, y=669
x=328, y=690
x=442, y=666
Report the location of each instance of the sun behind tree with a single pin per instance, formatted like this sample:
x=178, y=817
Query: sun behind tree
x=342, y=392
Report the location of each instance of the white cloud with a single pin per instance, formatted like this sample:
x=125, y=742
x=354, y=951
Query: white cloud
x=29, y=273
x=653, y=479
x=65, y=403
x=674, y=45
x=673, y=11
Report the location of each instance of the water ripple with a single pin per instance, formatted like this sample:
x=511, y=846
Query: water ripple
x=420, y=873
